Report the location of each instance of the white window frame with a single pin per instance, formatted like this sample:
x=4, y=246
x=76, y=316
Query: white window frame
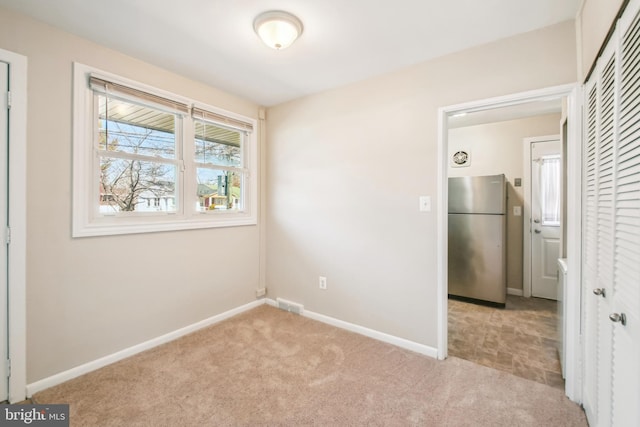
x=86, y=219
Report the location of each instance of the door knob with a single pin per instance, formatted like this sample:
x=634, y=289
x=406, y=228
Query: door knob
x=618, y=318
x=600, y=292
x=537, y=231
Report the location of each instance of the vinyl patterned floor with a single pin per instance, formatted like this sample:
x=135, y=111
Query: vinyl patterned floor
x=520, y=339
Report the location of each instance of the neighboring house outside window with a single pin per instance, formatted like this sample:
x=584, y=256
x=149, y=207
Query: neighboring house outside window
x=147, y=160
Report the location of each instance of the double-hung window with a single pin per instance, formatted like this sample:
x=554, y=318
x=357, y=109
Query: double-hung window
x=218, y=158
x=148, y=160
x=137, y=149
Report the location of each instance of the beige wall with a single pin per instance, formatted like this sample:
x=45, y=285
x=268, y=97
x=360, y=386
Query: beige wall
x=496, y=148
x=90, y=297
x=593, y=23
x=345, y=169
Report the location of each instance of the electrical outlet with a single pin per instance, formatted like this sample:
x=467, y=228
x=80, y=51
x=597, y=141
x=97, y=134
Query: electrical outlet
x=322, y=282
x=260, y=292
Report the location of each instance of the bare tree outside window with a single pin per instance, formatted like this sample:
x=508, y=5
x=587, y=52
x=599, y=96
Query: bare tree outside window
x=135, y=143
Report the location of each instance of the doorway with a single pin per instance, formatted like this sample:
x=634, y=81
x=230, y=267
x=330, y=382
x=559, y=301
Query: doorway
x=572, y=309
x=14, y=223
x=521, y=337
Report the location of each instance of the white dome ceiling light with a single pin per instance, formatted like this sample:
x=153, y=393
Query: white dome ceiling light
x=277, y=29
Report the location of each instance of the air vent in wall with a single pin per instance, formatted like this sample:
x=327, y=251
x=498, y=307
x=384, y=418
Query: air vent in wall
x=289, y=306
x=460, y=159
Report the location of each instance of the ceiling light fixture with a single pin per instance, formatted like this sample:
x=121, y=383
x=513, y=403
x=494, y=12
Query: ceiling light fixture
x=277, y=29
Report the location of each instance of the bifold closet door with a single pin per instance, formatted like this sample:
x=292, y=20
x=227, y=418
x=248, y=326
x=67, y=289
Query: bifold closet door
x=626, y=281
x=611, y=220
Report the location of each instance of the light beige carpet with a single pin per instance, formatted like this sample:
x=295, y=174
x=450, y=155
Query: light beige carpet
x=270, y=367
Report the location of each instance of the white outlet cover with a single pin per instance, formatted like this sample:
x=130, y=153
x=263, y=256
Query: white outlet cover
x=517, y=211
x=322, y=282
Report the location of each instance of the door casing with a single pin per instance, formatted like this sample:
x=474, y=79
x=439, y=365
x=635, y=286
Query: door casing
x=4, y=256
x=18, y=224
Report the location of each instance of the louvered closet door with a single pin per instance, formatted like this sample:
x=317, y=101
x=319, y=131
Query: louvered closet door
x=626, y=281
x=598, y=232
x=611, y=255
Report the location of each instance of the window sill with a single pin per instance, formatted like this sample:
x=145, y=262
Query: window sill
x=138, y=227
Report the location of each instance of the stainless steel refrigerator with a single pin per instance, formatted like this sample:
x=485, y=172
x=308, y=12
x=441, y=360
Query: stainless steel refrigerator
x=477, y=238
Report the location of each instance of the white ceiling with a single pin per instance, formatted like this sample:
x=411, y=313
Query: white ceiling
x=343, y=41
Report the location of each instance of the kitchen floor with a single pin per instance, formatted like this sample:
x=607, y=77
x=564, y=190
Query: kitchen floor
x=520, y=339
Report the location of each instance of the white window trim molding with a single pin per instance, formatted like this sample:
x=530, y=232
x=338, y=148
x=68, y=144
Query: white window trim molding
x=187, y=218
x=17, y=315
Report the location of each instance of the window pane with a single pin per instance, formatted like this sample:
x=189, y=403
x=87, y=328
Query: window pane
x=216, y=145
x=132, y=128
x=218, y=189
x=136, y=186
x=550, y=191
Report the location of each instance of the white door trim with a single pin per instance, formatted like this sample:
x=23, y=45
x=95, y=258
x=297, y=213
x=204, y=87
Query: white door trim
x=526, y=232
x=574, y=238
x=18, y=223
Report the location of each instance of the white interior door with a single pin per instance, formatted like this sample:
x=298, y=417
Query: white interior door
x=546, y=200
x=4, y=209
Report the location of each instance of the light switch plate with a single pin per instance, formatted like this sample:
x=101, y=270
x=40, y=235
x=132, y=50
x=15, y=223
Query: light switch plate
x=517, y=211
x=425, y=203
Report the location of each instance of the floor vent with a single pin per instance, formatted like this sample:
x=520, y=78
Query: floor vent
x=289, y=306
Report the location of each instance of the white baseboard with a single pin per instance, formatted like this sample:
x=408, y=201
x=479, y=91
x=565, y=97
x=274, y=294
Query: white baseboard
x=371, y=333
x=128, y=352
x=514, y=291
x=271, y=302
